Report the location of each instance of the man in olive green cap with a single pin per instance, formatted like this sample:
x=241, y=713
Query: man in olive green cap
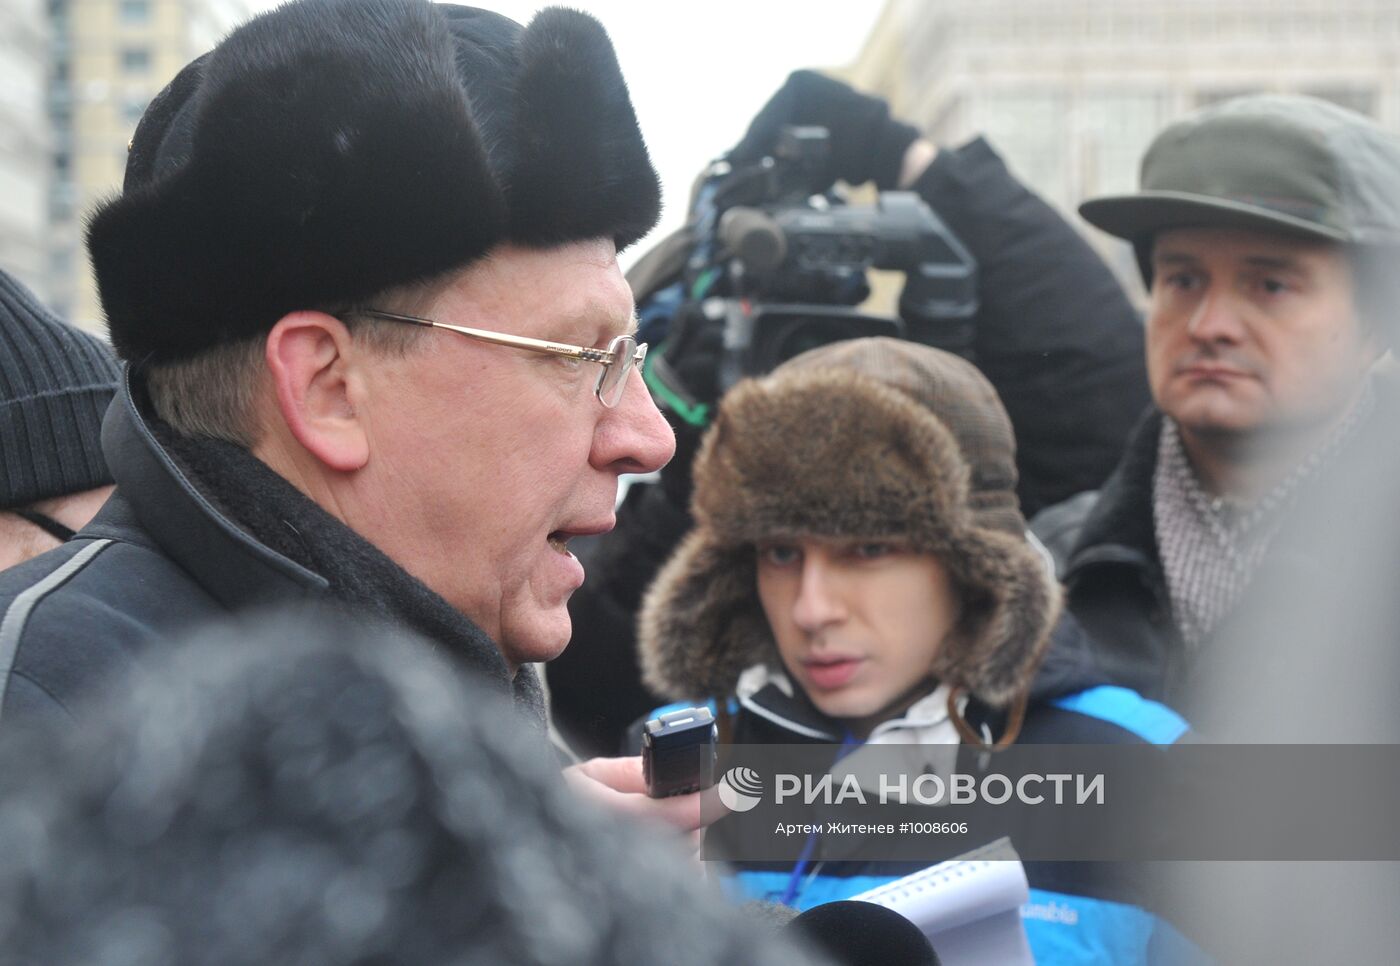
x=1264, y=228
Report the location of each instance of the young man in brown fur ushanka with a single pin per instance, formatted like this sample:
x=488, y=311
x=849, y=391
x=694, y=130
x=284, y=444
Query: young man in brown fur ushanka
x=860, y=572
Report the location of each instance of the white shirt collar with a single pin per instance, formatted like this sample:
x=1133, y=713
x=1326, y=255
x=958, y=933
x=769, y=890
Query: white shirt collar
x=925, y=722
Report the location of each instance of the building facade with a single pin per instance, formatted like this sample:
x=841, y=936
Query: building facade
x=24, y=140
x=107, y=59
x=1071, y=91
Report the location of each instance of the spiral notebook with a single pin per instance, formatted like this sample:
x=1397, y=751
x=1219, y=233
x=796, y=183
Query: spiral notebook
x=969, y=907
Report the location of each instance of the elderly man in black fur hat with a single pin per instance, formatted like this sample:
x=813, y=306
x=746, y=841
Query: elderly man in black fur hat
x=378, y=348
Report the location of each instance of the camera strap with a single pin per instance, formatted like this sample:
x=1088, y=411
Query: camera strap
x=667, y=386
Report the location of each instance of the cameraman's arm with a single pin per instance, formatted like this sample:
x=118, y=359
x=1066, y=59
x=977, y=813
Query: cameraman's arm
x=1056, y=335
x=917, y=158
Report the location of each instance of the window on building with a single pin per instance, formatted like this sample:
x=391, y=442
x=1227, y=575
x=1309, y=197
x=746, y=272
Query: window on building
x=135, y=12
x=1026, y=126
x=1359, y=99
x=135, y=60
x=62, y=202
x=1109, y=131
x=61, y=261
x=61, y=102
x=133, y=108
x=58, y=18
x=1216, y=95
x=61, y=115
x=60, y=91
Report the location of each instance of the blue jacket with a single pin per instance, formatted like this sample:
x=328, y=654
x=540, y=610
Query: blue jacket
x=1079, y=913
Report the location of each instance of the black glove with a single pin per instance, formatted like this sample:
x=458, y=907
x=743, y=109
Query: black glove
x=689, y=366
x=866, y=143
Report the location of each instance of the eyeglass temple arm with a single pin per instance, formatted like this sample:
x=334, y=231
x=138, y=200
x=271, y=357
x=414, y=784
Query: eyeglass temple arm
x=499, y=338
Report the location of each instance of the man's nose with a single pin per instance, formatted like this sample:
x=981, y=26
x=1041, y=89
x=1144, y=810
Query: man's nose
x=818, y=603
x=633, y=436
x=1216, y=319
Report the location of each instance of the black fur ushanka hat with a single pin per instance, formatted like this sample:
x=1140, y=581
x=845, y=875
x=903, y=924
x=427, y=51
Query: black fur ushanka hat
x=331, y=149
x=869, y=439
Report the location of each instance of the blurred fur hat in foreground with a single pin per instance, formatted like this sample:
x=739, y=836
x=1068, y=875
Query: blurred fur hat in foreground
x=305, y=789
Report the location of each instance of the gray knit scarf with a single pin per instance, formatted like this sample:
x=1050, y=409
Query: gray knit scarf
x=1210, y=547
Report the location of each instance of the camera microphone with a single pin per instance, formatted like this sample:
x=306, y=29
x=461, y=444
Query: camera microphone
x=754, y=238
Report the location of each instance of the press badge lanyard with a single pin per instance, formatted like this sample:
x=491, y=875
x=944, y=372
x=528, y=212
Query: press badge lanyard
x=848, y=744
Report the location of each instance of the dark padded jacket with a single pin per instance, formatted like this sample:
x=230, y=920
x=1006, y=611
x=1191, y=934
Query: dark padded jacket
x=1117, y=590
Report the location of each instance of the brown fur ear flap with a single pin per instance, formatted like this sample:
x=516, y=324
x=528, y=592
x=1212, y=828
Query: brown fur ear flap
x=1012, y=604
x=701, y=623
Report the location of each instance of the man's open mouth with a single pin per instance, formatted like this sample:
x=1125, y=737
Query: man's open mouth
x=560, y=542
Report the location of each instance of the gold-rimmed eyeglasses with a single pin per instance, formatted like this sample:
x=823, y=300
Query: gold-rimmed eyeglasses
x=622, y=355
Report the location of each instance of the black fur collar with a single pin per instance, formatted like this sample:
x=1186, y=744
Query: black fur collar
x=283, y=519
x=1120, y=524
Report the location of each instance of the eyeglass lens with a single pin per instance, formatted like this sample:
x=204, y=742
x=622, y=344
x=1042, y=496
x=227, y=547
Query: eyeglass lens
x=613, y=380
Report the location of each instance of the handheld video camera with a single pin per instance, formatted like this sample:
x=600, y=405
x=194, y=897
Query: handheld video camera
x=777, y=263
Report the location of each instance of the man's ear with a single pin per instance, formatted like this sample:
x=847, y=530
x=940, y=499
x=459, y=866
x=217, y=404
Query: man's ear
x=311, y=358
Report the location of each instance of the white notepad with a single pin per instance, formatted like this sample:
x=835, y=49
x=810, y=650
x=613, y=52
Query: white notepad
x=969, y=907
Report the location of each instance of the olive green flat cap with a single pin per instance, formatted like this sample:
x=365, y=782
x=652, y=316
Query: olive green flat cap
x=1273, y=162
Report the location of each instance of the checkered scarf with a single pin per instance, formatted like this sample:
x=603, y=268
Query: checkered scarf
x=1210, y=547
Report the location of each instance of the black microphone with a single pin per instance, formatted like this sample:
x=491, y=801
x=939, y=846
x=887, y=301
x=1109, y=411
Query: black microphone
x=752, y=236
x=857, y=933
